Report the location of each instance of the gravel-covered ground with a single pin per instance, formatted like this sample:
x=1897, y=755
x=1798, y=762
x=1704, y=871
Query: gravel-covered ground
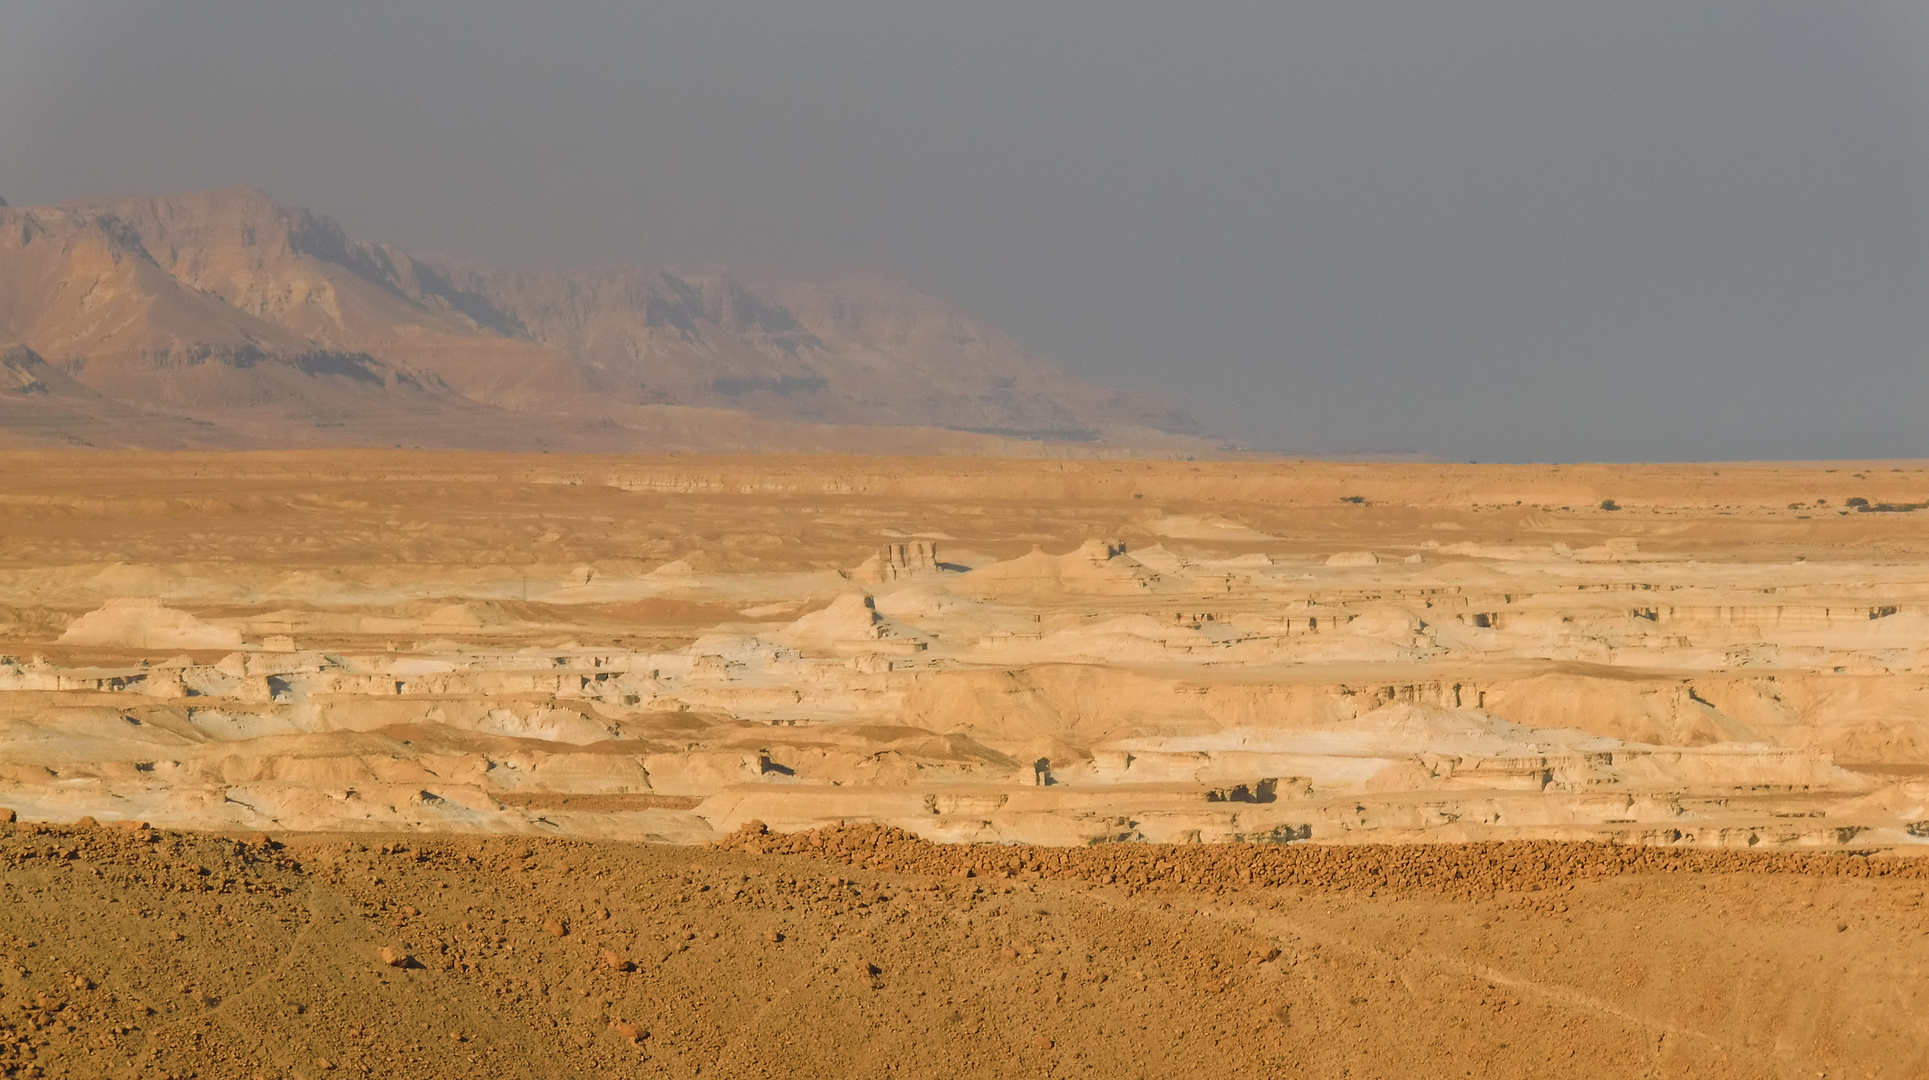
x=861, y=951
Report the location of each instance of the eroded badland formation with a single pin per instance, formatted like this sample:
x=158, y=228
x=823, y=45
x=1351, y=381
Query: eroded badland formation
x=438, y=705
x=1058, y=653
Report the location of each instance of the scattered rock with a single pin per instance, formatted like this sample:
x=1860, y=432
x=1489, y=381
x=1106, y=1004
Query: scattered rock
x=626, y=1030
x=555, y=928
x=1193, y=984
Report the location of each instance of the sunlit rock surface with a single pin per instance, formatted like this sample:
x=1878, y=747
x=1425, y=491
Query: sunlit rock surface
x=1060, y=652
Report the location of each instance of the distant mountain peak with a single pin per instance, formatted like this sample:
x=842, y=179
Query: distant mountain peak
x=217, y=304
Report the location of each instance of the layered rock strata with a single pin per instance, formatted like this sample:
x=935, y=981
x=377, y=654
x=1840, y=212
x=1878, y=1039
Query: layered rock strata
x=980, y=651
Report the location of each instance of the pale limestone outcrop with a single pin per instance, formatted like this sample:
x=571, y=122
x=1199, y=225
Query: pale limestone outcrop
x=142, y=623
x=900, y=562
x=1099, y=686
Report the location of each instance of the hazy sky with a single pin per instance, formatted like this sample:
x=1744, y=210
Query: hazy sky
x=1492, y=230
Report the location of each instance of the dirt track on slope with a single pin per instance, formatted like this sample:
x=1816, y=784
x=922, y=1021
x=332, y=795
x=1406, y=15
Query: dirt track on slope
x=136, y=953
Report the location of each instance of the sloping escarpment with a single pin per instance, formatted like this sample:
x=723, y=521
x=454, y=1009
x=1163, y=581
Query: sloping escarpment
x=270, y=326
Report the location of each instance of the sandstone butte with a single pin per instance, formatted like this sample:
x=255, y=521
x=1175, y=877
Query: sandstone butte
x=383, y=763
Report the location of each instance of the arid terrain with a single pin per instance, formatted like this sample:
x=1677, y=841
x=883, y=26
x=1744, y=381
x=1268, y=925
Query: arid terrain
x=641, y=541
x=984, y=650
x=398, y=764
x=131, y=953
x=225, y=320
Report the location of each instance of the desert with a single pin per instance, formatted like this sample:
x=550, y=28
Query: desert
x=225, y=319
x=975, y=651
x=136, y=952
x=366, y=762
x=1292, y=541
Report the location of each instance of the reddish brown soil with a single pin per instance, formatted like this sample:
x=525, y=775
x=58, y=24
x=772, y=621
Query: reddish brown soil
x=862, y=952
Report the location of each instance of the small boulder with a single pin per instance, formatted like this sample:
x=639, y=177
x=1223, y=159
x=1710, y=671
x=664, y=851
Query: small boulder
x=628, y=1031
x=555, y=928
x=393, y=957
x=616, y=963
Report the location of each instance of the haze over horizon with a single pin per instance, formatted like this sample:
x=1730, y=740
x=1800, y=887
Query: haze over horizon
x=1488, y=230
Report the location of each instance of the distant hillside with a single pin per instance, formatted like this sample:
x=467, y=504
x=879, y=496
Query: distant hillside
x=225, y=319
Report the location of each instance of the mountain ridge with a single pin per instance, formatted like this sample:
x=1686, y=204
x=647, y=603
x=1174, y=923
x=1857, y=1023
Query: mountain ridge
x=255, y=319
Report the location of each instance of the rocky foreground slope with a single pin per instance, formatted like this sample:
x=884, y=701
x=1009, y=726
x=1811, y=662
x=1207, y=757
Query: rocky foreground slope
x=1062, y=653
x=133, y=952
x=221, y=319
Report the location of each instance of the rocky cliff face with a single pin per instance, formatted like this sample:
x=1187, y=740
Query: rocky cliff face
x=272, y=322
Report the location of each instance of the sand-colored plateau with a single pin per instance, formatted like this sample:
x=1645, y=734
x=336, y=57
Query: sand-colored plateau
x=1058, y=653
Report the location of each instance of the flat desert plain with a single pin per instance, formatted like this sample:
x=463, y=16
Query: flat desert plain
x=397, y=764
